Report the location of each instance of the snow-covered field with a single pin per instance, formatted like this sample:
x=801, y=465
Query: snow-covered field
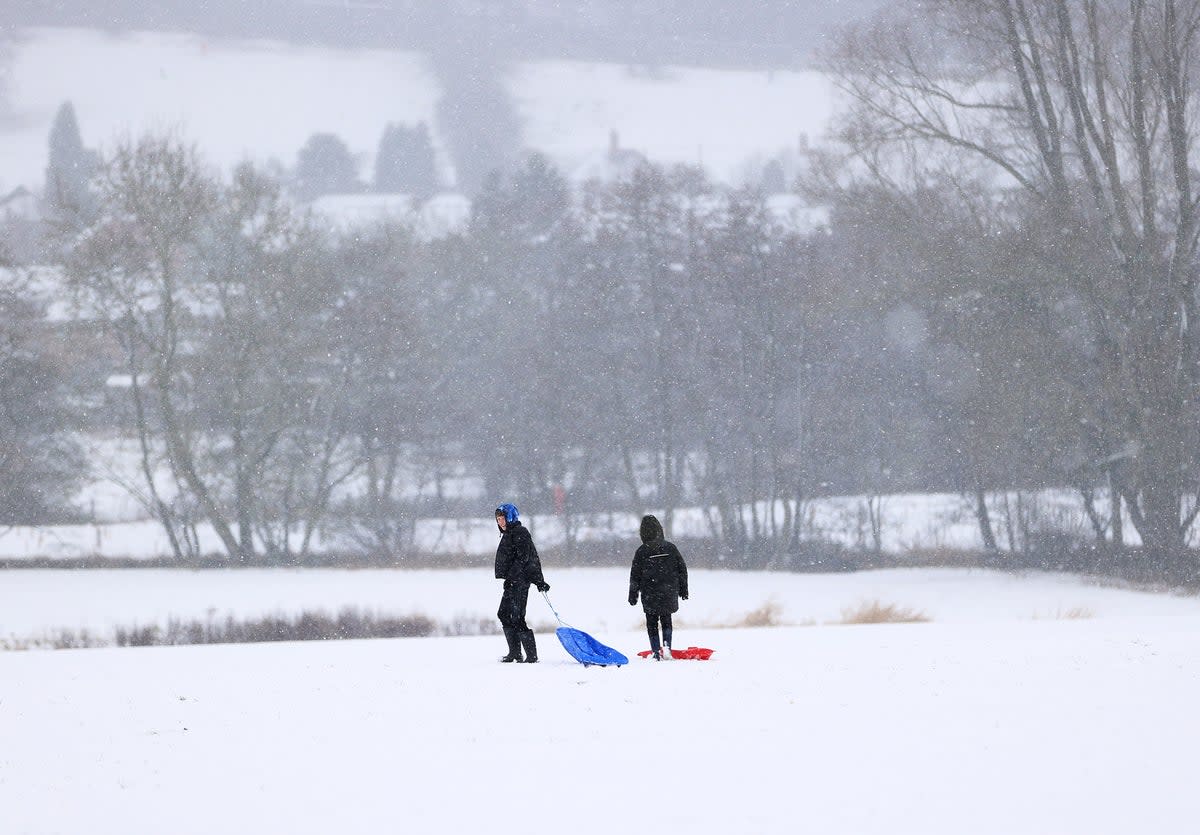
x=986, y=720
x=33, y=602
x=259, y=100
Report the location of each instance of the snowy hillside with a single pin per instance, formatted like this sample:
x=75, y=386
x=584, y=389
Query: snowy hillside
x=1053, y=726
x=262, y=100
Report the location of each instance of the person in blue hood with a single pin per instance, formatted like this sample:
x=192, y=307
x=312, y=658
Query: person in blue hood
x=518, y=565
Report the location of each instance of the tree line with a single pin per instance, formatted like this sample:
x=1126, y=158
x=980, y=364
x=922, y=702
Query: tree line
x=1002, y=298
x=639, y=342
x=658, y=341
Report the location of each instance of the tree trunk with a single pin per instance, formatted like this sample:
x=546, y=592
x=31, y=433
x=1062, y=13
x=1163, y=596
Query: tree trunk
x=984, y=518
x=184, y=463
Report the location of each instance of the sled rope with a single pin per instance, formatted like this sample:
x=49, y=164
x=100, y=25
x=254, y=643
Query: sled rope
x=552, y=609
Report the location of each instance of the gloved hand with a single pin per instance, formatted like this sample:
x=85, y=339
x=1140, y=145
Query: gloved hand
x=543, y=587
x=683, y=597
x=633, y=600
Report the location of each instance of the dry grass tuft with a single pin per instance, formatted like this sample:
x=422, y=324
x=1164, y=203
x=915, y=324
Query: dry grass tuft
x=349, y=624
x=873, y=611
x=767, y=614
x=941, y=557
x=56, y=639
x=1074, y=613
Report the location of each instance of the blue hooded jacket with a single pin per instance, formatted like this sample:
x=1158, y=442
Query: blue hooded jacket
x=517, y=559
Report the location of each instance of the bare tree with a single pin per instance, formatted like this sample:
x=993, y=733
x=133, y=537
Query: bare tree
x=265, y=368
x=39, y=461
x=647, y=237
x=1085, y=109
x=392, y=381
x=137, y=268
x=759, y=302
x=220, y=299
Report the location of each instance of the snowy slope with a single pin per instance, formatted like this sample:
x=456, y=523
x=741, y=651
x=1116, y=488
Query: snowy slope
x=261, y=100
x=236, y=101
x=1038, y=727
x=720, y=119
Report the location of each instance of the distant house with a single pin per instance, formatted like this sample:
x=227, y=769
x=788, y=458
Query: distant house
x=612, y=165
x=19, y=204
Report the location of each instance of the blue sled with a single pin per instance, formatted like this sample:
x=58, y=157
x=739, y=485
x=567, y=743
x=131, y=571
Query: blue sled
x=587, y=650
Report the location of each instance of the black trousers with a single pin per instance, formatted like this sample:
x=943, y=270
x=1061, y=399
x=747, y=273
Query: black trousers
x=653, y=619
x=513, y=603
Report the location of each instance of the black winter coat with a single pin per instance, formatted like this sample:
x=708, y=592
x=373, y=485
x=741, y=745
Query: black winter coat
x=659, y=575
x=516, y=557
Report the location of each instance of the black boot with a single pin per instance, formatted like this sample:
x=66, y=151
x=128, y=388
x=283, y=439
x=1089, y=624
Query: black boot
x=530, y=644
x=514, y=646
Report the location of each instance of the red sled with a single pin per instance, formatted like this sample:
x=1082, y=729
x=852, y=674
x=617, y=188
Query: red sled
x=689, y=654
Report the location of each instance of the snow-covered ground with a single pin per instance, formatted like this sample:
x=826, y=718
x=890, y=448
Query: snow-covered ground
x=979, y=725
x=260, y=100
x=35, y=602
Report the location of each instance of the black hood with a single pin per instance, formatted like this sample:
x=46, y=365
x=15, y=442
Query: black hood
x=651, y=529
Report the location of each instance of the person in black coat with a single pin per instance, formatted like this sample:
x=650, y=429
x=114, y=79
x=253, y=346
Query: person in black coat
x=518, y=565
x=659, y=575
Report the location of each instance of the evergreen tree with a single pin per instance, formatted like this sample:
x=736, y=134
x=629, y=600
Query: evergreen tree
x=70, y=168
x=773, y=179
x=325, y=166
x=405, y=161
